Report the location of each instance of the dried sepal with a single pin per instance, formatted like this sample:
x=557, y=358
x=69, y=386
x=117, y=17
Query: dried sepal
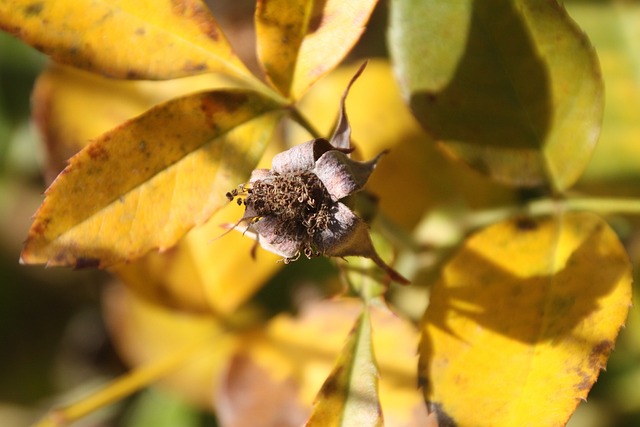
x=341, y=175
x=341, y=137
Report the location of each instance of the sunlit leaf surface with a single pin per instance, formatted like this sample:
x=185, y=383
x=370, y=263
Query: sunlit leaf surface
x=299, y=42
x=144, y=184
x=141, y=39
x=523, y=320
x=281, y=26
x=202, y=273
x=296, y=355
x=349, y=395
x=62, y=92
x=524, y=108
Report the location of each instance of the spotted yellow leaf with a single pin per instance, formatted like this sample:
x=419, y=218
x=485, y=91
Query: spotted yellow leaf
x=300, y=41
x=523, y=320
x=141, y=39
x=61, y=91
x=144, y=184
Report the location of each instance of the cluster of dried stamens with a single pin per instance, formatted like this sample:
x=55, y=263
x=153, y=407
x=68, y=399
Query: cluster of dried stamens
x=299, y=201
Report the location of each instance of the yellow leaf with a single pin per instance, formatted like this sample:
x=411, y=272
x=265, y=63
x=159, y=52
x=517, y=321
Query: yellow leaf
x=523, y=320
x=144, y=184
x=281, y=26
x=299, y=353
x=299, y=43
x=349, y=395
x=135, y=39
x=143, y=332
x=202, y=273
x=61, y=92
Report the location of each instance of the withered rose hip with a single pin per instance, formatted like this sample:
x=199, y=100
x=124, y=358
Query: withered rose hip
x=295, y=207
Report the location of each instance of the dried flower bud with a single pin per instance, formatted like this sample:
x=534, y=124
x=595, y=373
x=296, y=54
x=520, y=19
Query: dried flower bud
x=294, y=208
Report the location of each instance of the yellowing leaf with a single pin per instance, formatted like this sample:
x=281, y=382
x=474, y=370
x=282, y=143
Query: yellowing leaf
x=349, y=395
x=299, y=353
x=525, y=108
x=61, y=92
x=143, y=332
x=141, y=39
x=281, y=26
x=144, y=184
x=202, y=273
x=523, y=320
x=299, y=42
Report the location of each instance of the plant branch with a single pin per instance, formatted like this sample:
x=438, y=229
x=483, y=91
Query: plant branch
x=121, y=387
x=299, y=118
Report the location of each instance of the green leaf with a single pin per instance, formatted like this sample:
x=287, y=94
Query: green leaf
x=124, y=38
x=614, y=29
x=511, y=87
x=144, y=184
x=522, y=321
x=349, y=396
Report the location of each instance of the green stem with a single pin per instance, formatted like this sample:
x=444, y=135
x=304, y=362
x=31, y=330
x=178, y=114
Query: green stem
x=299, y=118
x=602, y=206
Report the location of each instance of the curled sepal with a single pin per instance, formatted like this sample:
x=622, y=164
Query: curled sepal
x=342, y=134
x=341, y=175
x=302, y=157
x=271, y=239
x=348, y=235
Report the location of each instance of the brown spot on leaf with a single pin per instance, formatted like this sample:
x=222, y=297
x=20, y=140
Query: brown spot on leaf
x=585, y=385
x=40, y=227
x=34, y=9
x=82, y=263
x=190, y=67
x=134, y=74
x=599, y=354
x=221, y=103
x=526, y=224
x=330, y=386
x=199, y=14
x=97, y=152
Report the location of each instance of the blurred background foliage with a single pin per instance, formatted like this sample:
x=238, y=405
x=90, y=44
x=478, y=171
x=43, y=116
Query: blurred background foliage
x=52, y=336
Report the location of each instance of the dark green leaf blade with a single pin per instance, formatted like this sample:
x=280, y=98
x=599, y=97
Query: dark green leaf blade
x=512, y=88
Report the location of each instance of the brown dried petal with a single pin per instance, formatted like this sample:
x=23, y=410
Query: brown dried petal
x=302, y=157
x=346, y=235
x=260, y=175
x=341, y=175
x=269, y=229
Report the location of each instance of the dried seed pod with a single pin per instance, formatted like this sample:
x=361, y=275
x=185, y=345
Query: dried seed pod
x=294, y=208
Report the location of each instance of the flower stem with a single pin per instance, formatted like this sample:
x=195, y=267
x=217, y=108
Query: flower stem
x=299, y=118
x=121, y=387
x=602, y=206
